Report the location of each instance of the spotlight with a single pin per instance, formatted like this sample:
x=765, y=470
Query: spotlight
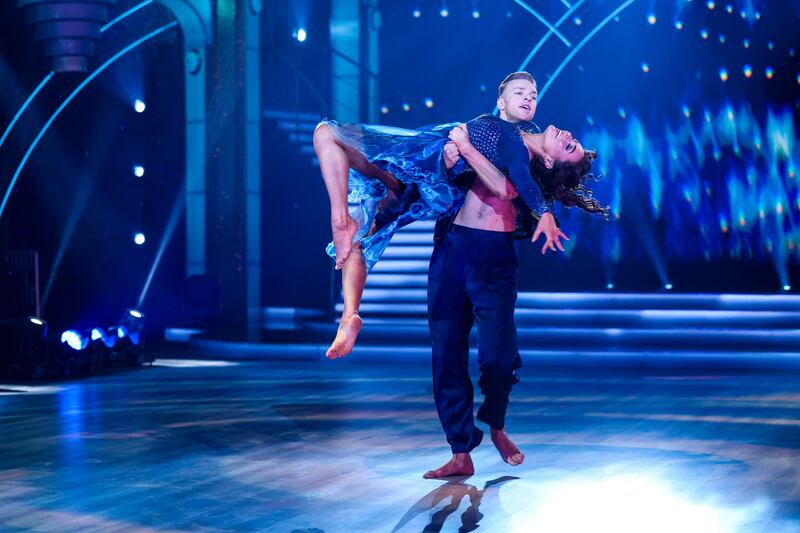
x=748, y=71
x=746, y=43
x=578, y=21
x=651, y=18
x=476, y=14
x=711, y=5
x=131, y=326
x=769, y=73
x=108, y=339
x=406, y=106
x=686, y=111
x=139, y=106
x=668, y=286
x=417, y=13
x=771, y=45
x=444, y=12
x=428, y=103
x=138, y=238
x=678, y=25
x=645, y=68
x=721, y=39
x=704, y=34
x=38, y=322
x=622, y=113
x=729, y=9
x=787, y=287
x=138, y=171
x=301, y=35
x=384, y=110
x=723, y=74
x=609, y=286
x=74, y=340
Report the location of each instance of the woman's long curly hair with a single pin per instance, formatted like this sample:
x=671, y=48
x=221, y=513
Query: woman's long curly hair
x=566, y=183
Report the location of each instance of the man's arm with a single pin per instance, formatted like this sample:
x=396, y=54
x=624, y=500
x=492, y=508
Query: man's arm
x=490, y=175
x=502, y=187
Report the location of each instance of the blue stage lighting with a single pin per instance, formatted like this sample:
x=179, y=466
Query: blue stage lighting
x=134, y=313
x=729, y=8
x=578, y=21
x=711, y=5
x=384, y=110
x=444, y=12
x=139, y=238
x=476, y=14
x=747, y=70
x=609, y=286
x=723, y=74
x=787, y=287
x=678, y=25
x=428, y=103
x=301, y=35
x=37, y=321
x=74, y=340
x=138, y=171
x=108, y=339
x=417, y=13
x=721, y=39
x=769, y=73
x=668, y=286
x=139, y=106
x=645, y=68
x=746, y=43
x=704, y=34
x=651, y=18
x=406, y=106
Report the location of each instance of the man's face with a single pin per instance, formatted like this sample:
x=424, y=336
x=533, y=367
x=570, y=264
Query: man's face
x=518, y=101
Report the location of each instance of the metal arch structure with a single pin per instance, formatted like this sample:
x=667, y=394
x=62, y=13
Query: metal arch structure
x=194, y=19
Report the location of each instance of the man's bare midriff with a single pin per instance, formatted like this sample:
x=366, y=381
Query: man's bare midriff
x=483, y=210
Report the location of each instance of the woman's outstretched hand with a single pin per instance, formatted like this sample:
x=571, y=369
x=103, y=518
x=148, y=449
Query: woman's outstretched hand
x=547, y=226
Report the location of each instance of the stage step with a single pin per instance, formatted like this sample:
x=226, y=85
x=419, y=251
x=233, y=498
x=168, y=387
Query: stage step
x=583, y=338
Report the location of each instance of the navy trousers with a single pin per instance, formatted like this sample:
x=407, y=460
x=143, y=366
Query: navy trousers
x=472, y=280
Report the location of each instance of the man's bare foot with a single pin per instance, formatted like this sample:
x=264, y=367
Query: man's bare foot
x=346, y=336
x=508, y=450
x=459, y=465
x=343, y=233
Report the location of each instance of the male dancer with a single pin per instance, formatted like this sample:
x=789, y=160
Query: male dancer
x=473, y=279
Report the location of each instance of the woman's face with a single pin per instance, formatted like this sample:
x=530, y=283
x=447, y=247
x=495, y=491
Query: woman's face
x=560, y=146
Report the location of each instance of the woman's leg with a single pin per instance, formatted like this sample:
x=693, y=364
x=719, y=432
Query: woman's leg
x=335, y=161
x=354, y=277
x=335, y=167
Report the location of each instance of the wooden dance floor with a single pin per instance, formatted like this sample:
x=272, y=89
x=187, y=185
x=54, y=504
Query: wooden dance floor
x=312, y=447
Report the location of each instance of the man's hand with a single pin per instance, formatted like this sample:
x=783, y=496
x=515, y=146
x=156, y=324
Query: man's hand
x=547, y=225
x=460, y=137
x=451, y=155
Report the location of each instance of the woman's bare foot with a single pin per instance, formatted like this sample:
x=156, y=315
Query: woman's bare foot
x=459, y=465
x=508, y=450
x=343, y=233
x=346, y=336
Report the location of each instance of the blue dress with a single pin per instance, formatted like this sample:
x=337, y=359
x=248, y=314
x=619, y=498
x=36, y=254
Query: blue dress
x=415, y=158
